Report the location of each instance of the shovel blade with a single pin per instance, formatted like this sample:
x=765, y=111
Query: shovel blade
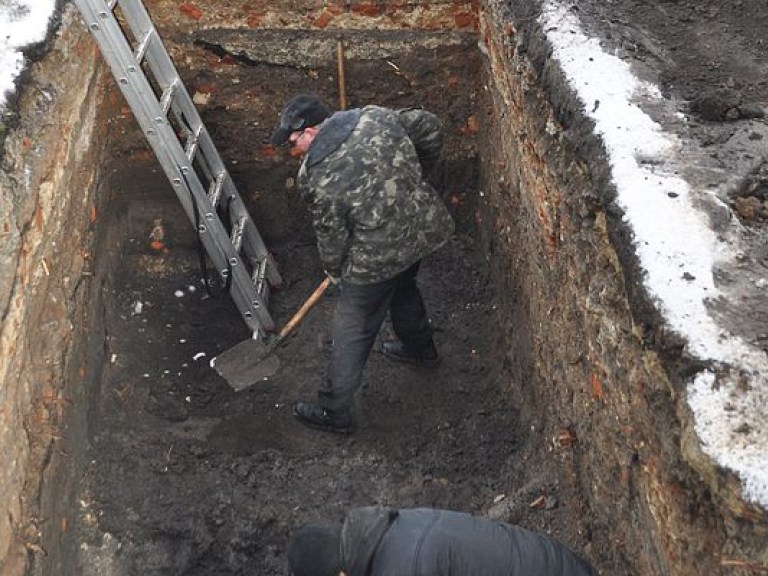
x=246, y=363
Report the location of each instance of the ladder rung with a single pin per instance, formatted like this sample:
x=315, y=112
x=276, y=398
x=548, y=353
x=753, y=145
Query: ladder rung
x=260, y=275
x=190, y=149
x=237, y=234
x=141, y=51
x=168, y=93
x=264, y=293
x=214, y=194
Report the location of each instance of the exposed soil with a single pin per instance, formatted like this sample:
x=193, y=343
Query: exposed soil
x=189, y=477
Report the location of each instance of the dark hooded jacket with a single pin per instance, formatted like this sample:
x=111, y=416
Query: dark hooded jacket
x=378, y=541
x=373, y=210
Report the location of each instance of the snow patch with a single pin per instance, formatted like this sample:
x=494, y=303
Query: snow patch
x=676, y=247
x=22, y=22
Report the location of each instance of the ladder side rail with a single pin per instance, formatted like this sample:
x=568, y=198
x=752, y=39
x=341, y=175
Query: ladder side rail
x=208, y=151
x=137, y=18
x=251, y=303
x=237, y=209
x=253, y=242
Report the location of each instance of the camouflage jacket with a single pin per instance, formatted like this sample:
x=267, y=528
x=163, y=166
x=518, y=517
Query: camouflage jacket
x=373, y=211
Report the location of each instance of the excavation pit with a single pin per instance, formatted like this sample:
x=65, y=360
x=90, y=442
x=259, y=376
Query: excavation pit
x=558, y=402
x=191, y=477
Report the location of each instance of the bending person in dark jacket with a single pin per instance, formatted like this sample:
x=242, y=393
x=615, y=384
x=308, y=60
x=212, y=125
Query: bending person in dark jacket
x=375, y=216
x=377, y=541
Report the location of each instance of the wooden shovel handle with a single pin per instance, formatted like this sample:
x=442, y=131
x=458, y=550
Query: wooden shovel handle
x=306, y=307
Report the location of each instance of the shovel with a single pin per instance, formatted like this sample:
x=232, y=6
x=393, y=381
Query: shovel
x=253, y=360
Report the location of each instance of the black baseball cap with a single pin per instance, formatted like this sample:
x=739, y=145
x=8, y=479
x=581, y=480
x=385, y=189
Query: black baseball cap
x=300, y=112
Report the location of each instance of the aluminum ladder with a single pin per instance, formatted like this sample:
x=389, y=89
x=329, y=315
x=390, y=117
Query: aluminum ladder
x=160, y=102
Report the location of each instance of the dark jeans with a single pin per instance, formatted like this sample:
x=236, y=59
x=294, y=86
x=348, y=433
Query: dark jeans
x=357, y=319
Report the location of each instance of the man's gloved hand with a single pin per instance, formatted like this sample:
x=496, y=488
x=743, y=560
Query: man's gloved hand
x=335, y=280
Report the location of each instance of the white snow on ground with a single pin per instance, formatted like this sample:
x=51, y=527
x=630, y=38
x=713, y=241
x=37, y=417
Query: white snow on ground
x=676, y=247
x=22, y=22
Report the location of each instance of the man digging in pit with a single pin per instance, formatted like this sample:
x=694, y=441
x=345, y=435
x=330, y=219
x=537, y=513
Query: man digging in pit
x=376, y=217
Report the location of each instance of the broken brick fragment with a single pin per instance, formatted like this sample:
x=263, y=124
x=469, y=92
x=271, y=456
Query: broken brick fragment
x=366, y=10
x=597, y=386
x=323, y=19
x=465, y=20
x=254, y=20
x=191, y=10
x=268, y=150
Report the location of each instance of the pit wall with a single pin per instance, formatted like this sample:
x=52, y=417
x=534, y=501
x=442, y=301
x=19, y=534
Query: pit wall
x=604, y=376
x=315, y=15
x=49, y=219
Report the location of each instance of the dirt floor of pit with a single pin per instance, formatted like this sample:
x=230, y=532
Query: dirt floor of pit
x=194, y=478
x=188, y=477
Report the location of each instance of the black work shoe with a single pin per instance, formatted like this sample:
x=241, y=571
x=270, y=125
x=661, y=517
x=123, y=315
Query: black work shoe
x=316, y=417
x=395, y=350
